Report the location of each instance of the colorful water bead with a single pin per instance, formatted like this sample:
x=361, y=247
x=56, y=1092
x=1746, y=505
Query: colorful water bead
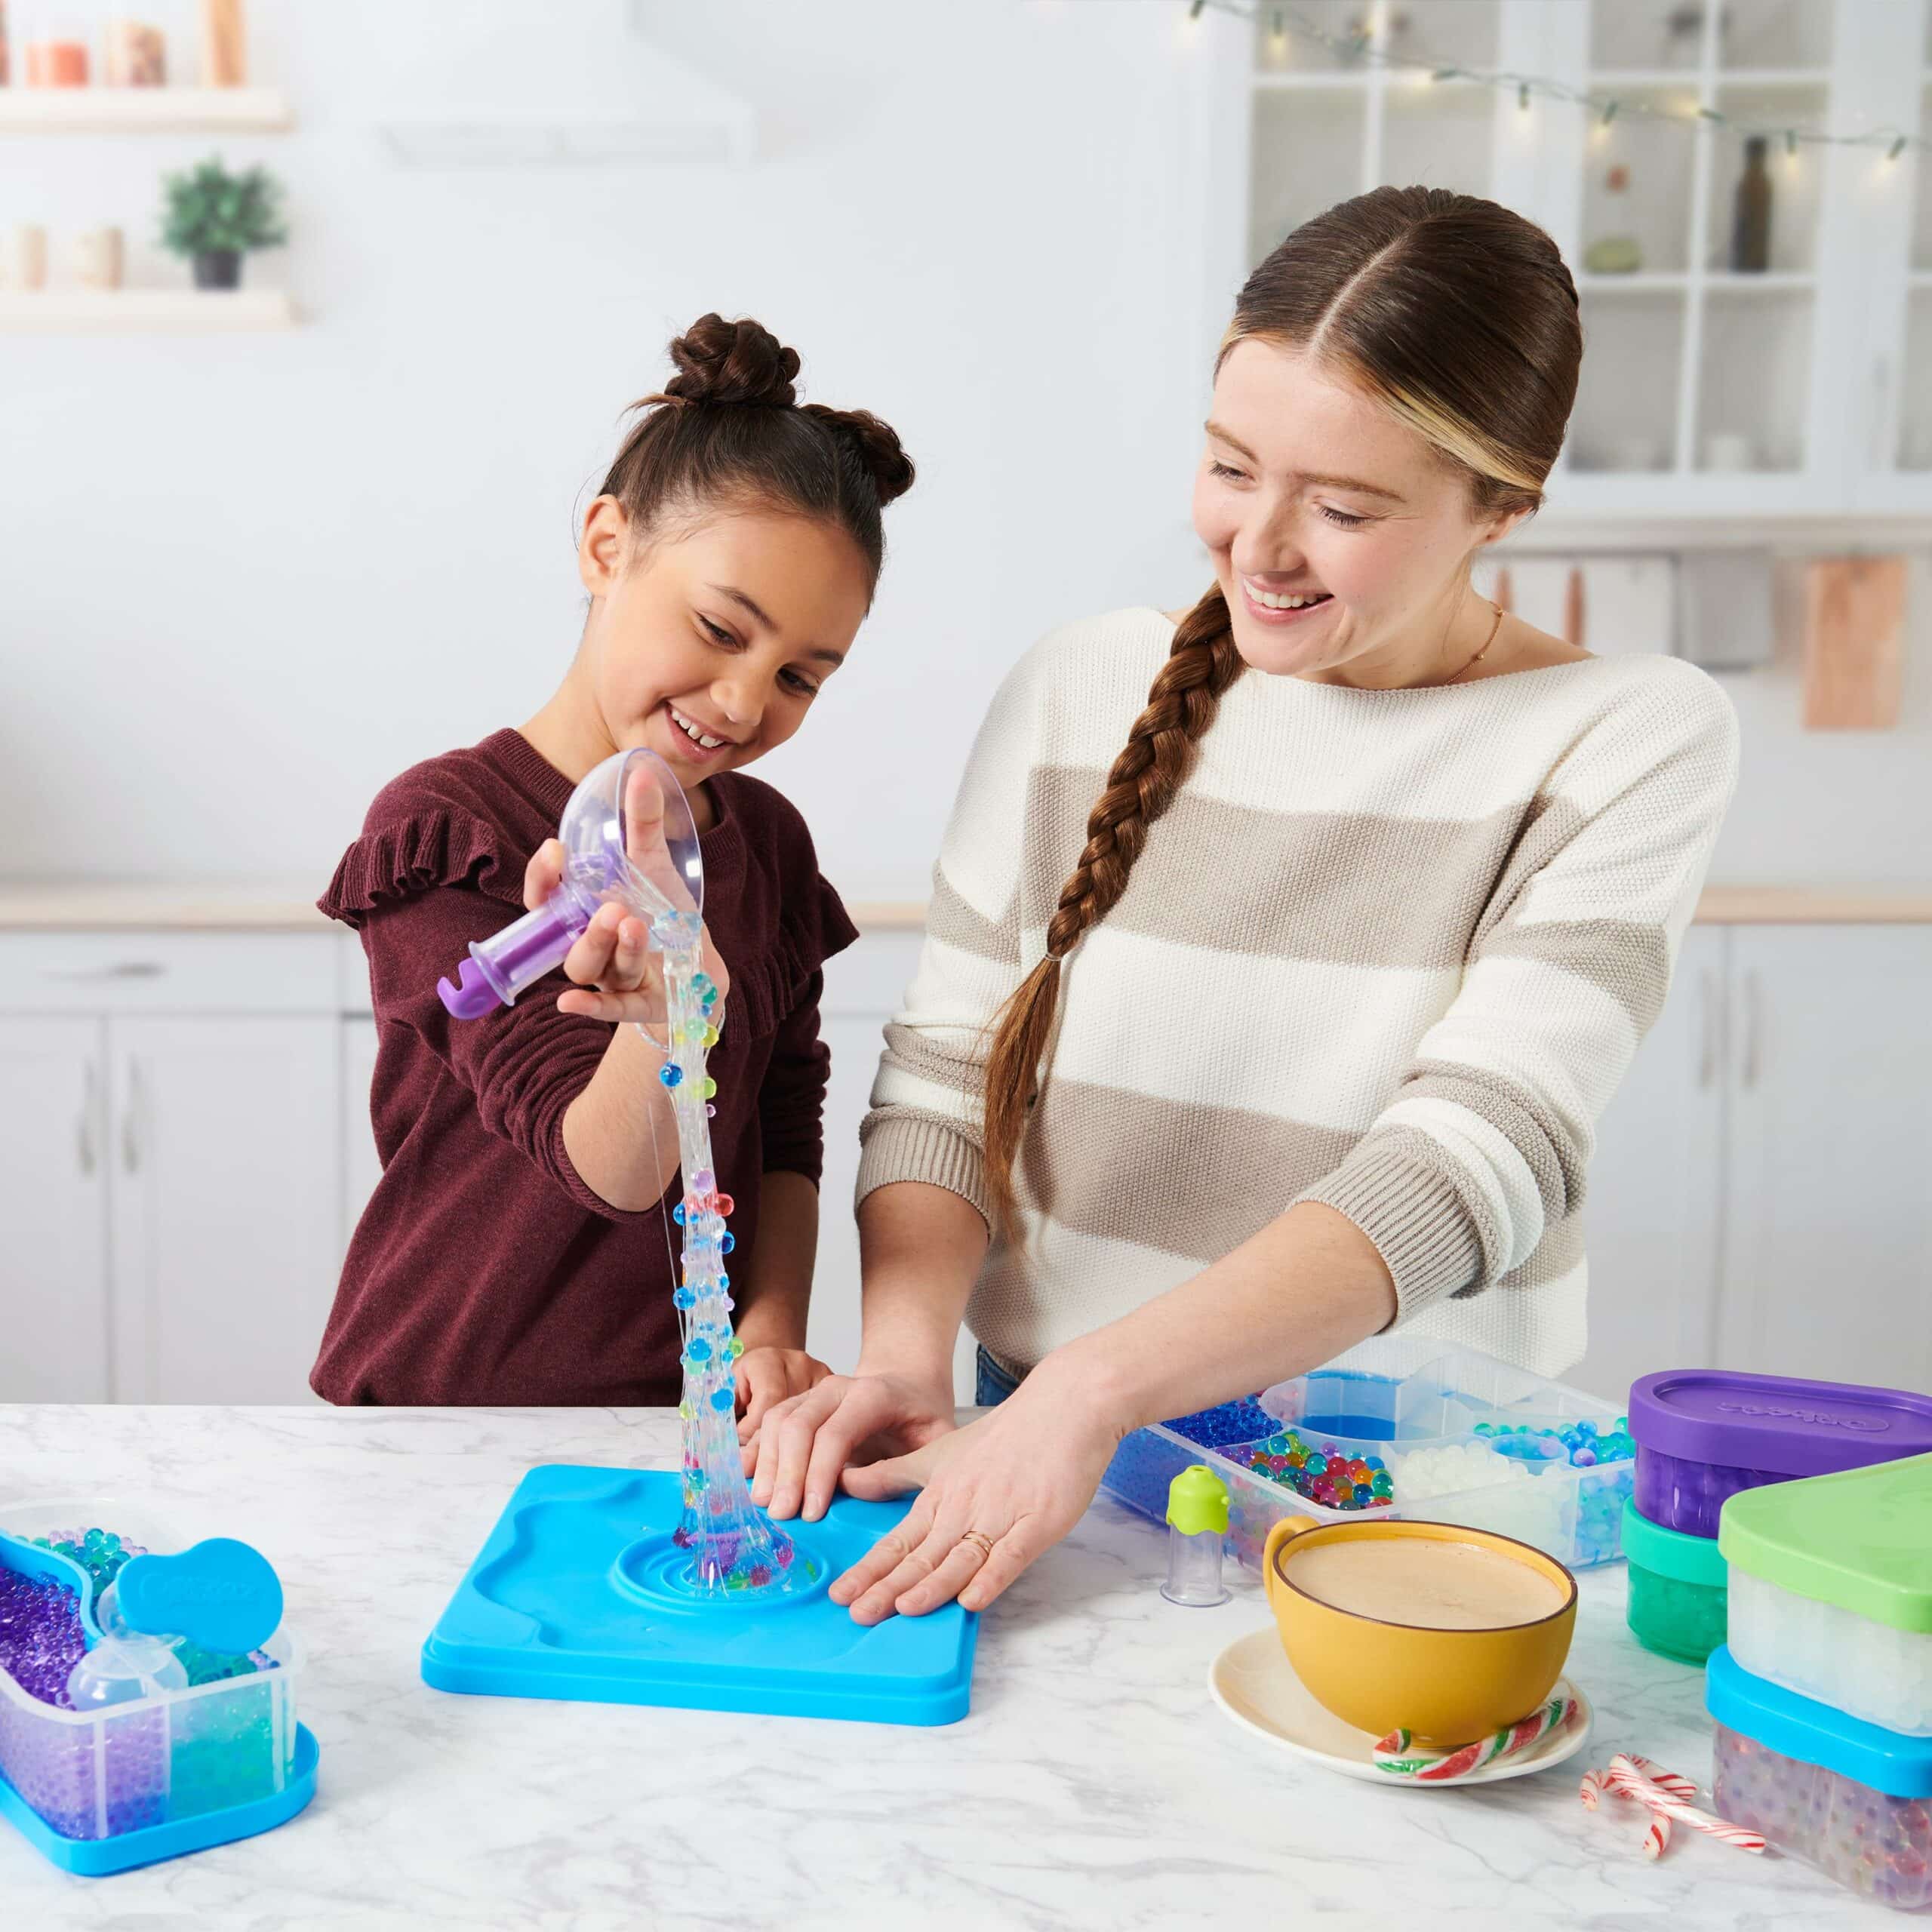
x=671, y=1073
x=1583, y=1444
x=1321, y=1473
x=41, y=1636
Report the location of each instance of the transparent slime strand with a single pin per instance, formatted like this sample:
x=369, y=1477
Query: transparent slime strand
x=733, y=1545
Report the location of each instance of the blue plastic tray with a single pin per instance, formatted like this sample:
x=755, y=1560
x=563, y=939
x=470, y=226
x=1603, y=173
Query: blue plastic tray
x=565, y=1600
x=94, y=1858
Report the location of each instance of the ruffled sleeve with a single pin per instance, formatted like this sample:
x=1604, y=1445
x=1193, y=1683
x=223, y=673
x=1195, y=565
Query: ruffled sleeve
x=400, y=855
x=427, y=877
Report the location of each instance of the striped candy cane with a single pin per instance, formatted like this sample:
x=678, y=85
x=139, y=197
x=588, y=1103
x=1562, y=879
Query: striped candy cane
x=1400, y=1756
x=1667, y=1797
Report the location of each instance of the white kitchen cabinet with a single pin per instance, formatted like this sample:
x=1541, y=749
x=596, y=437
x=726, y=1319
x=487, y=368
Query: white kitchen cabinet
x=170, y=1127
x=1652, y=1213
x=53, y=1212
x=1827, y=1264
x=227, y=1193
x=865, y=986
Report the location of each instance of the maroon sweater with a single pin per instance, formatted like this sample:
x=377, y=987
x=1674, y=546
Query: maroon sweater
x=484, y=1270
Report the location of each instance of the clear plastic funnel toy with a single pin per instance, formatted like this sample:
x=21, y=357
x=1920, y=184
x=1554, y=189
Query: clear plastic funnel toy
x=628, y=836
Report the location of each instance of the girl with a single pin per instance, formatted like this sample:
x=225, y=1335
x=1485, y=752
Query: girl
x=1361, y=930
x=514, y=1250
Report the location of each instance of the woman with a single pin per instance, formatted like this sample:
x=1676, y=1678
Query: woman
x=1369, y=918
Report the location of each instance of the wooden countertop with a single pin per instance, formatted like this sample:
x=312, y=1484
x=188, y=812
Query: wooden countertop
x=285, y=907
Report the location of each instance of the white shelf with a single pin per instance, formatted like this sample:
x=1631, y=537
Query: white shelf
x=1726, y=281
x=67, y=310
x=1690, y=78
x=1341, y=80
x=102, y=110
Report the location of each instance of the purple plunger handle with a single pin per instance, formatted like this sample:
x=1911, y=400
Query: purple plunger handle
x=500, y=968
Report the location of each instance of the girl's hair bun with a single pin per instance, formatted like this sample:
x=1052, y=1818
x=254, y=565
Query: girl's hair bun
x=876, y=444
x=742, y=361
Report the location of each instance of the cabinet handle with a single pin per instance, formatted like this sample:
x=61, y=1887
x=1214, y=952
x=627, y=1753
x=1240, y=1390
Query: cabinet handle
x=1754, y=1030
x=124, y=969
x=130, y=1143
x=1707, y=1055
x=85, y=1127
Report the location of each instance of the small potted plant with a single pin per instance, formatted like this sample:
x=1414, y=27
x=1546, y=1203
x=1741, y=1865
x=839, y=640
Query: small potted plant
x=213, y=217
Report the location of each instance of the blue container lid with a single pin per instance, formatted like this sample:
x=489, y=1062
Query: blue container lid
x=1801, y=1727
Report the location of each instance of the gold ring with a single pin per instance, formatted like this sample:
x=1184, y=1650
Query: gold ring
x=980, y=1541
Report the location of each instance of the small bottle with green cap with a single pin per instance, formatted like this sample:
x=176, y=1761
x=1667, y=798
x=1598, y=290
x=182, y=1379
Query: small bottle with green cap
x=1197, y=1520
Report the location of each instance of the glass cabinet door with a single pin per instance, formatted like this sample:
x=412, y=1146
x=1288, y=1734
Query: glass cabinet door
x=1755, y=340
x=1696, y=240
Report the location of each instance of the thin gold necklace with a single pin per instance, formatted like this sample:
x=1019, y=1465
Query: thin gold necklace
x=1486, y=643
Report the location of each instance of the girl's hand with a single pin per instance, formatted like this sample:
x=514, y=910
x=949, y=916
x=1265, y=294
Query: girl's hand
x=993, y=1496
x=769, y=1375
x=613, y=960
x=801, y=1445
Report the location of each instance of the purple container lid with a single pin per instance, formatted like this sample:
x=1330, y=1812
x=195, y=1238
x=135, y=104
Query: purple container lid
x=1780, y=1424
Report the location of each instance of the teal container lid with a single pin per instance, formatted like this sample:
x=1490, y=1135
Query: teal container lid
x=1801, y=1727
x=1671, y=1553
x=1861, y=1539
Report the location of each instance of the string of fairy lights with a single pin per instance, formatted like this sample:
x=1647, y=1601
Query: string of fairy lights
x=1361, y=48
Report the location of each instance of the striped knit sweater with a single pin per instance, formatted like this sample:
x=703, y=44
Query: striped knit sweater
x=1392, y=951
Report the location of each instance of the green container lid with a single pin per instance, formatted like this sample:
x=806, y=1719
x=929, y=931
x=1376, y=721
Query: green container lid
x=1861, y=1539
x=1197, y=1501
x=1671, y=1553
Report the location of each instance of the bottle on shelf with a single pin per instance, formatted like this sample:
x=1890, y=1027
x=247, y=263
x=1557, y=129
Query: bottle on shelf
x=1751, y=226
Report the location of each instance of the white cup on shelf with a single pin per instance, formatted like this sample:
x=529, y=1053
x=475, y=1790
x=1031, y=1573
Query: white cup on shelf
x=26, y=256
x=1728, y=449
x=1638, y=453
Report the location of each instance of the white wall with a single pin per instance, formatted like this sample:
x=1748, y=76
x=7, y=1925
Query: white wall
x=243, y=581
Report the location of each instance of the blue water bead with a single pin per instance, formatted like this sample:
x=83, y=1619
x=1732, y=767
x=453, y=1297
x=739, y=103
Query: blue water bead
x=727, y=1242
x=724, y=1398
x=1375, y=1462
x=698, y=1353
x=724, y=1282
x=677, y=1213
x=671, y=1073
x=683, y=1298
x=1242, y=1421
x=1586, y=1427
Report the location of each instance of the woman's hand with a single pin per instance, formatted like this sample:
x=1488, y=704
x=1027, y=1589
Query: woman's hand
x=993, y=1497
x=800, y=1447
x=768, y=1376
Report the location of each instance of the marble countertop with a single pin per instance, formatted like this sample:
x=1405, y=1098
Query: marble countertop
x=289, y=907
x=1093, y=1784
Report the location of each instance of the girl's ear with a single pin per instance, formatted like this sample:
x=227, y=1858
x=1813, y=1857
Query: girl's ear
x=604, y=545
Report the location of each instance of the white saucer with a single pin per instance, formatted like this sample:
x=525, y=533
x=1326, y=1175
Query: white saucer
x=1253, y=1682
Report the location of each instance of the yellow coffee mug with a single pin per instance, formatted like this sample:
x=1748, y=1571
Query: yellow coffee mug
x=1447, y=1687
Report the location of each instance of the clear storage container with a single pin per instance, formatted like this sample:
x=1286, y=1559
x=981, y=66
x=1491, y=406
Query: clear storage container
x=1706, y=1434
x=1388, y=1398
x=1676, y=1603
x=1849, y=1797
x=1831, y=1590
x=157, y=1760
